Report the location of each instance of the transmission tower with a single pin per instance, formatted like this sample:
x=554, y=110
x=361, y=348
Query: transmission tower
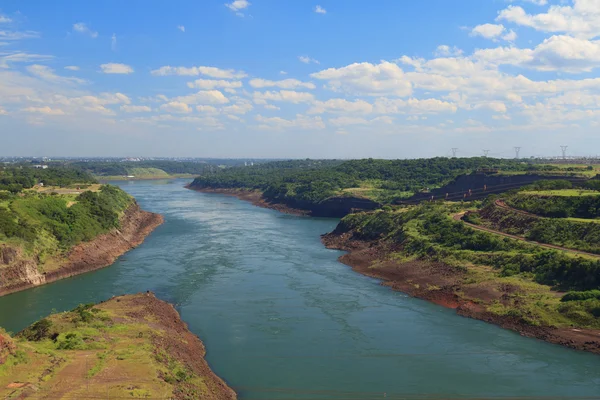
x=517, y=151
x=454, y=150
x=564, y=151
x=485, y=153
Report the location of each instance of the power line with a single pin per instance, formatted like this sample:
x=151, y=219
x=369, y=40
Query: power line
x=564, y=151
x=454, y=150
x=517, y=151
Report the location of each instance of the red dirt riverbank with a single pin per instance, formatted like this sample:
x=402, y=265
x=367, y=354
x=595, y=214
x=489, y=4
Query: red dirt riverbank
x=443, y=285
x=18, y=272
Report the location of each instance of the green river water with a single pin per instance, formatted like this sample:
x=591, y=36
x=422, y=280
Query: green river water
x=281, y=318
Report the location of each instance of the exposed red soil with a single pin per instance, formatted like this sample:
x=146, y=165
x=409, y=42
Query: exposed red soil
x=22, y=273
x=177, y=341
x=255, y=197
x=443, y=285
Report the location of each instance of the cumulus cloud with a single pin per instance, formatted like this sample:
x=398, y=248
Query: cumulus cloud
x=4, y=19
x=115, y=68
x=368, y=79
x=341, y=106
x=176, y=107
x=488, y=31
x=237, y=6
x=283, y=84
x=81, y=27
x=181, y=28
x=582, y=19
x=44, y=110
x=203, y=97
x=213, y=72
x=320, y=10
x=72, y=68
x=447, y=51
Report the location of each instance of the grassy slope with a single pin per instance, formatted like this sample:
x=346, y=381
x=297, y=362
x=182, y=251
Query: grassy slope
x=52, y=224
x=486, y=263
x=129, y=347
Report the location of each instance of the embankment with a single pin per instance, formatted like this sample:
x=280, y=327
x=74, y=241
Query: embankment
x=334, y=207
x=19, y=271
x=450, y=287
x=133, y=346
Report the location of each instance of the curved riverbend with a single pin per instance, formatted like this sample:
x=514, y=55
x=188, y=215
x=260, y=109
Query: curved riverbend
x=282, y=318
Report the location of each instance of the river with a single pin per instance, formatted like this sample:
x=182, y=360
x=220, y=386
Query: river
x=281, y=318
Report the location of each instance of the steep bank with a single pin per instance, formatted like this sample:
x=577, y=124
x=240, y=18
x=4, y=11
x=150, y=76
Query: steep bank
x=19, y=271
x=133, y=346
x=334, y=207
x=475, y=292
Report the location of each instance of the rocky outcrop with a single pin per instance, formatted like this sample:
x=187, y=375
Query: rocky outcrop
x=19, y=271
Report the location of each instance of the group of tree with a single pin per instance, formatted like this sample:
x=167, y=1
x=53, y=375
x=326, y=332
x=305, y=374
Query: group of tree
x=16, y=178
x=316, y=180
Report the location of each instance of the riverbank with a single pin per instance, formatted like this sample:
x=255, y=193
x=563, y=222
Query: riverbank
x=253, y=196
x=109, y=178
x=20, y=271
x=333, y=207
x=450, y=287
x=133, y=346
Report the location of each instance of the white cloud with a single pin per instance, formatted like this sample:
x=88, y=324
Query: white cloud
x=135, y=109
x=557, y=53
x=84, y=29
x=72, y=68
x=203, y=97
x=320, y=10
x=289, y=96
x=582, y=19
x=341, y=106
x=237, y=6
x=511, y=36
x=213, y=72
x=271, y=107
x=368, y=79
x=413, y=106
x=241, y=108
x=300, y=122
x=447, y=51
x=308, y=60
x=282, y=73
x=207, y=109
x=113, y=42
x=48, y=74
x=11, y=35
x=283, y=84
x=488, y=31
x=208, y=84
x=44, y=110
x=181, y=28
x=6, y=59
x=4, y=19
x=115, y=68
x=176, y=107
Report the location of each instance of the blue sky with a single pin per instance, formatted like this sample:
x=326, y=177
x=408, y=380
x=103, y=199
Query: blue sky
x=272, y=78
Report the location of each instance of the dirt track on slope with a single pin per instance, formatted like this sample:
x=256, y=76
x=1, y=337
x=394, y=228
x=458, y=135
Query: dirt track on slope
x=459, y=217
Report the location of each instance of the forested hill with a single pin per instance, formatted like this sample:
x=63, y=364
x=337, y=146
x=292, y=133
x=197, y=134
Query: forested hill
x=16, y=178
x=380, y=180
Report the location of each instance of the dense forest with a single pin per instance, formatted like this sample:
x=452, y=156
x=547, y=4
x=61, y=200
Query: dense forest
x=16, y=178
x=382, y=180
x=53, y=222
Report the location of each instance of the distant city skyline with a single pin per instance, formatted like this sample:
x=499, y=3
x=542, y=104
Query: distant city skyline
x=295, y=79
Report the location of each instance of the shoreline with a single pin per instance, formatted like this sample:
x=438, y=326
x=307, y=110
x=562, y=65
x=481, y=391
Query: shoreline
x=255, y=197
x=112, y=178
x=414, y=278
x=100, y=252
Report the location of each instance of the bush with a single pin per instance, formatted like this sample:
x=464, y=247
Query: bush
x=38, y=331
x=580, y=296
